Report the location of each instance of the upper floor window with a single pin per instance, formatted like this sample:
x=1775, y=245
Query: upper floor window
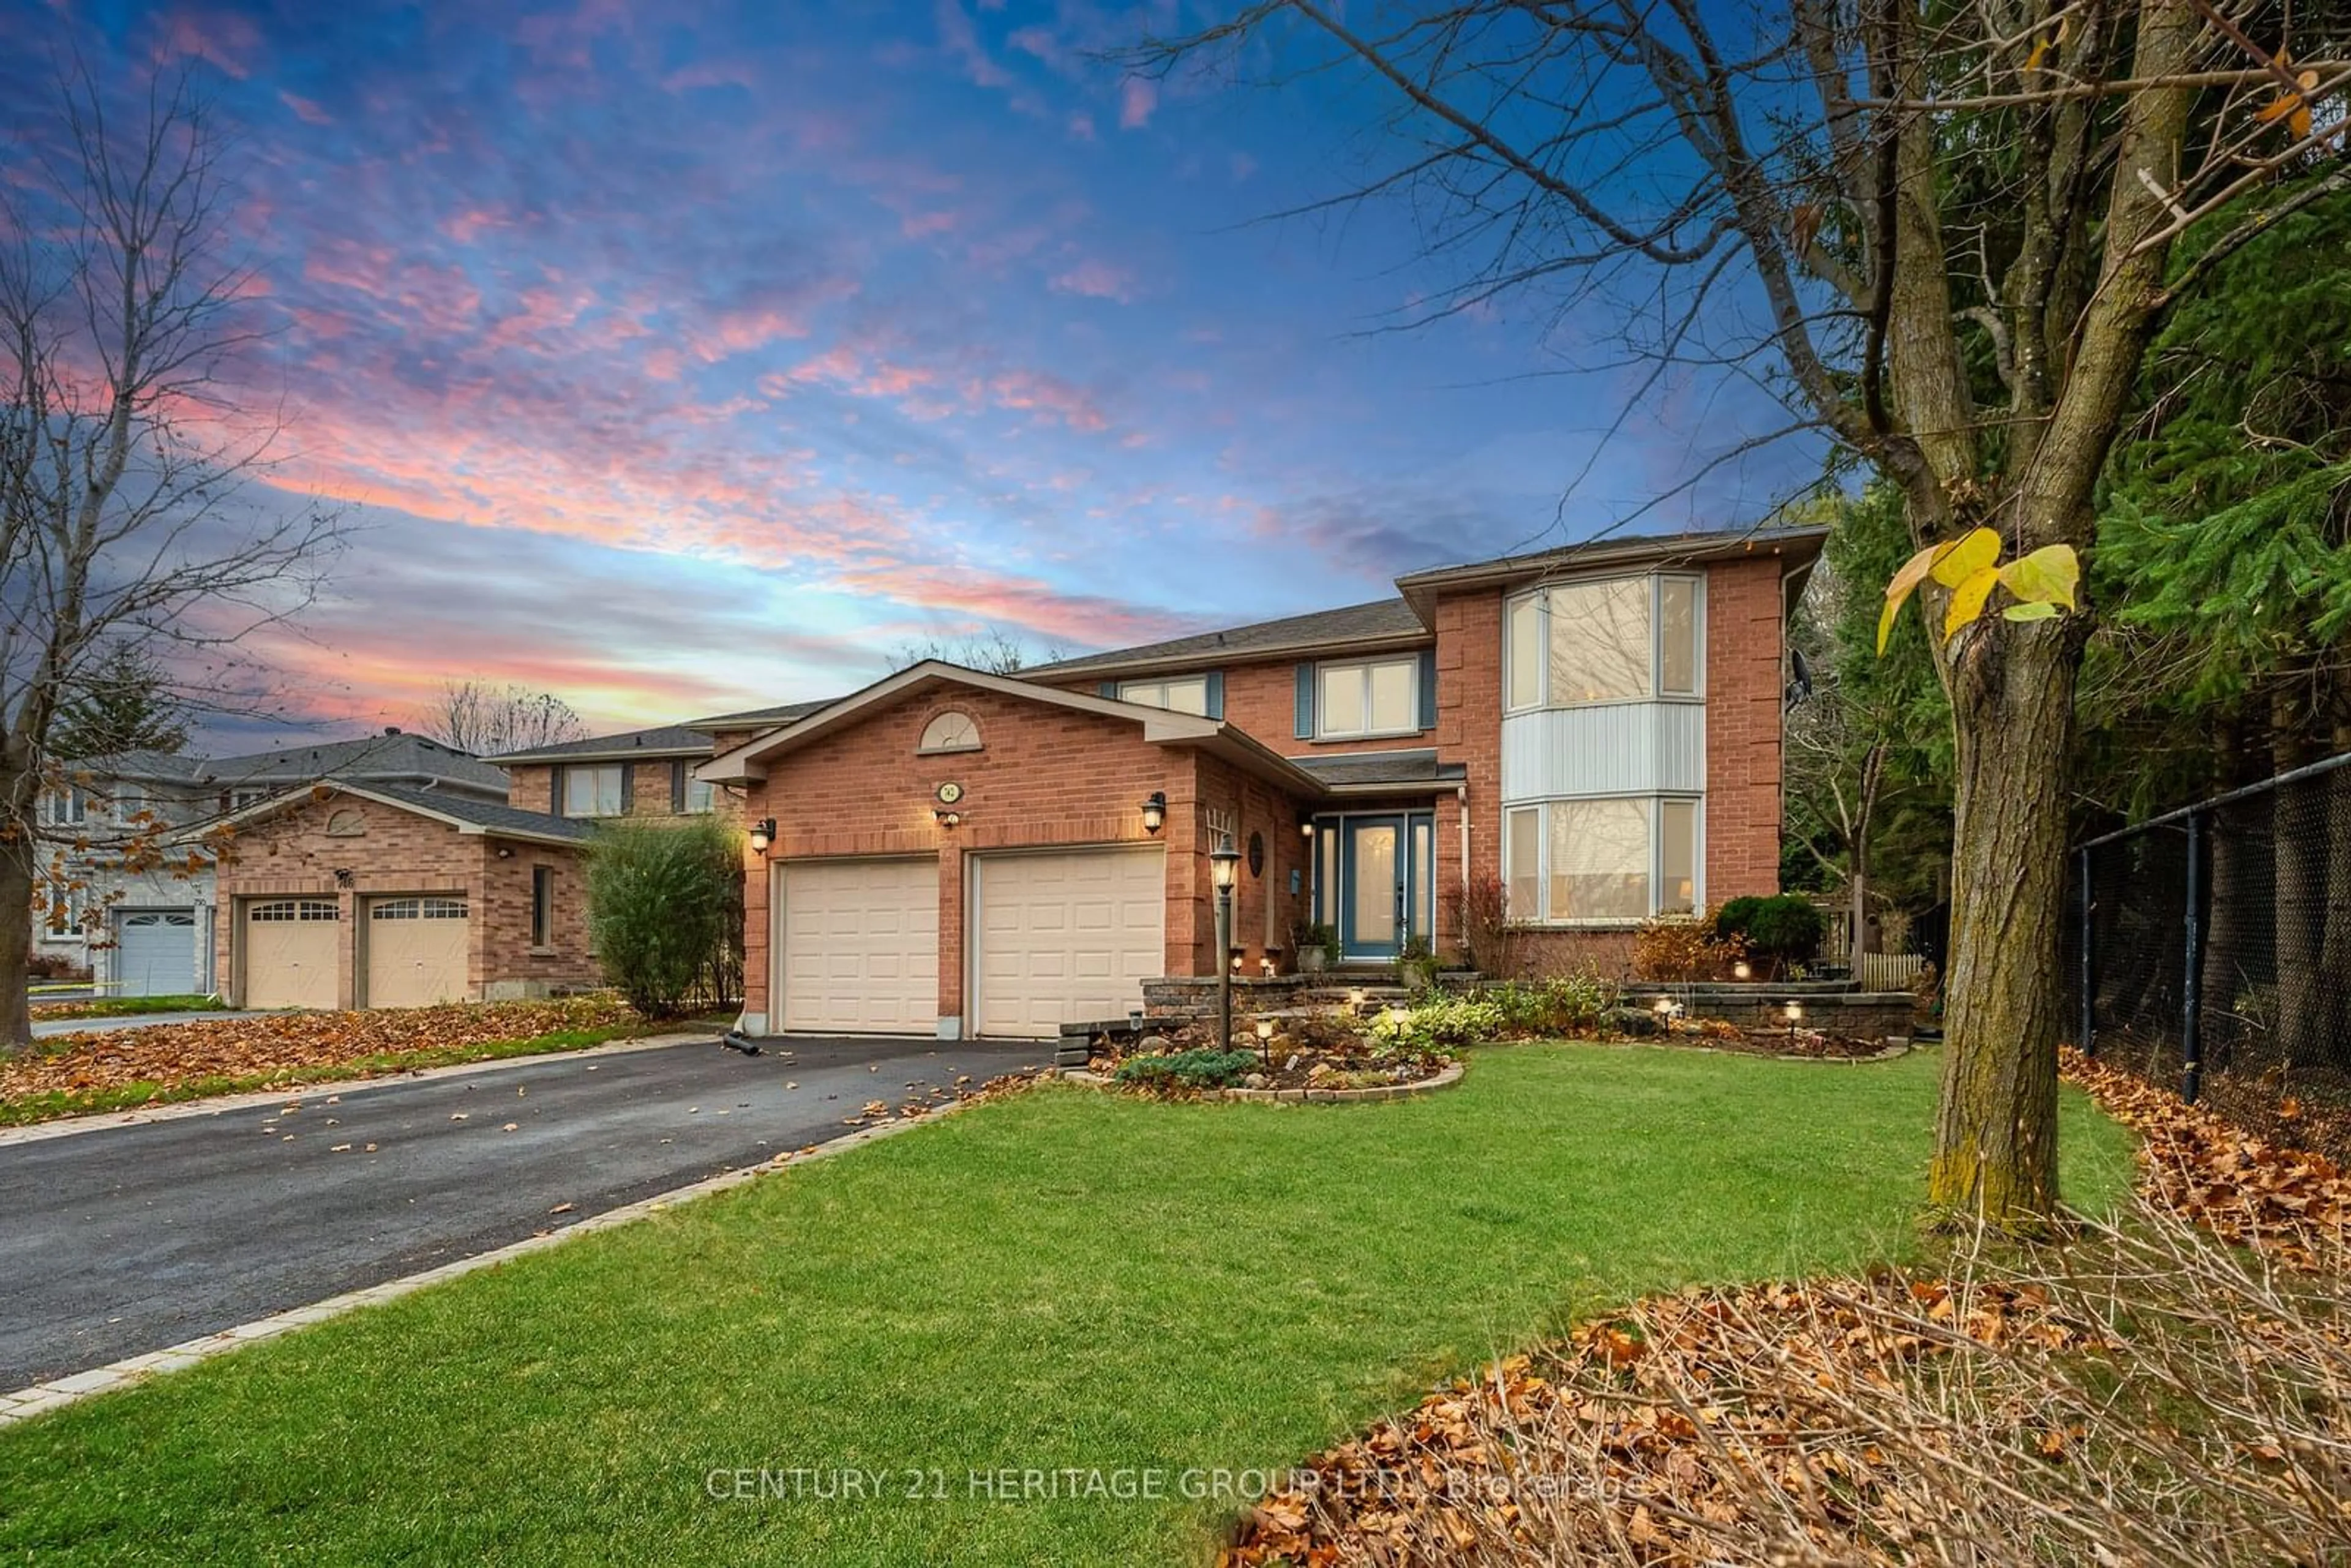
x=1181, y=694
x=701, y=796
x=238, y=799
x=1376, y=696
x=1614, y=640
x=594, y=791
x=65, y=807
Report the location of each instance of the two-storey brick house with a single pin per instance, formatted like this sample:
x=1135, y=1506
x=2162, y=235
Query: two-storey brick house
x=1597, y=727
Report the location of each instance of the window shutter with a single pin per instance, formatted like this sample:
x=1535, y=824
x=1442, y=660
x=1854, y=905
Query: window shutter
x=1216, y=693
x=1428, y=688
x=677, y=788
x=555, y=790
x=1306, y=702
x=1109, y=689
x=628, y=787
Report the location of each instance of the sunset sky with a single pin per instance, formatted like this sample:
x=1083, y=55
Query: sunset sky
x=679, y=358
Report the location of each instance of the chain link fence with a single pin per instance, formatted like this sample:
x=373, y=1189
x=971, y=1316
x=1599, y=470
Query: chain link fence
x=2210, y=951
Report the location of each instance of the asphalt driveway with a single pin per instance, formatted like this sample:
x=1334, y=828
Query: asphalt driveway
x=128, y=1240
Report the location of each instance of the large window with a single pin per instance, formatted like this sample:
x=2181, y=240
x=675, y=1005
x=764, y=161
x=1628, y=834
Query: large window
x=594, y=791
x=1181, y=694
x=1616, y=640
x=1378, y=697
x=1572, y=862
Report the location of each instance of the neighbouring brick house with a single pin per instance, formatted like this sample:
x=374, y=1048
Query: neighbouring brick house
x=344, y=895
x=147, y=922
x=641, y=773
x=1595, y=729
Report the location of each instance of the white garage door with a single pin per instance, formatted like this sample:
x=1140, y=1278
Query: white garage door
x=416, y=951
x=155, y=952
x=291, y=947
x=859, y=948
x=1066, y=937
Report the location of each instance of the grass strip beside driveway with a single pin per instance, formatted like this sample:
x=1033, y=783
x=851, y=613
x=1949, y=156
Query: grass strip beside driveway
x=1063, y=1281
x=121, y=1007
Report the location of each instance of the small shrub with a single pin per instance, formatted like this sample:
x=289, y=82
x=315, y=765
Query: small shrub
x=54, y=966
x=1682, y=950
x=1485, y=916
x=1788, y=928
x=1439, y=1022
x=1201, y=1068
x=1576, y=1001
x=665, y=907
x=1417, y=966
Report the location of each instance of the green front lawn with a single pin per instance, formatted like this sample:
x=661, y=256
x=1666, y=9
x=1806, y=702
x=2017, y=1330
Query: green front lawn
x=1066, y=1280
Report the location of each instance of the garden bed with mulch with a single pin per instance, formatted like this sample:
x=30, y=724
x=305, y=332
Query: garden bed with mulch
x=1335, y=1052
x=2174, y=1389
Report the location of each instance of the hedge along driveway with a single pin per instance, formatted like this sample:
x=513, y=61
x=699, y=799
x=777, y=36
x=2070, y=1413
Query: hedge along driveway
x=1062, y=1281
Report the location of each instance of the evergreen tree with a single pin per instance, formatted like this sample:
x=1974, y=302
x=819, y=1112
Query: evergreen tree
x=123, y=702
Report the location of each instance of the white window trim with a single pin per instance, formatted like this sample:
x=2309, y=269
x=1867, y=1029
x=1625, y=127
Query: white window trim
x=1129, y=692
x=1414, y=720
x=1651, y=803
x=1656, y=692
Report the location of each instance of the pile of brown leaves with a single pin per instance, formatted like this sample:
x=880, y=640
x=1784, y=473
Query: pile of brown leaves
x=2293, y=1203
x=2140, y=1394
x=173, y=1054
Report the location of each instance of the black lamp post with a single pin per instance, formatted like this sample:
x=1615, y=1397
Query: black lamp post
x=1223, y=868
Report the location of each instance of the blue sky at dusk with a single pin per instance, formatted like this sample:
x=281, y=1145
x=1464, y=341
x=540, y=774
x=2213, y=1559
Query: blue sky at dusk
x=676, y=357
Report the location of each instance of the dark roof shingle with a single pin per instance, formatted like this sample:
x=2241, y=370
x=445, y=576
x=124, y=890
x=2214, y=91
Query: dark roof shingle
x=396, y=756
x=1380, y=619
x=481, y=813
x=662, y=740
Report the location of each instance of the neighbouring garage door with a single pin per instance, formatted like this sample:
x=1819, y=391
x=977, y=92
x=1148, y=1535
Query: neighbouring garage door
x=860, y=946
x=1066, y=935
x=291, y=948
x=416, y=951
x=154, y=952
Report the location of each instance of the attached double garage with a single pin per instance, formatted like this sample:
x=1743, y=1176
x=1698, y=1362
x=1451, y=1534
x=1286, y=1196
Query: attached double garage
x=1053, y=935
x=413, y=950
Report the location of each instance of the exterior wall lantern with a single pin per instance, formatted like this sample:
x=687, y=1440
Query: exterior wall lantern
x=763, y=833
x=1154, y=811
x=948, y=819
x=1223, y=870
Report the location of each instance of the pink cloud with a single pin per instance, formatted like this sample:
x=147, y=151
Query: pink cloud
x=1030, y=390
x=1096, y=280
x=1081, y=127
x=227, y=40
x=1137, y=97
x=305, y=110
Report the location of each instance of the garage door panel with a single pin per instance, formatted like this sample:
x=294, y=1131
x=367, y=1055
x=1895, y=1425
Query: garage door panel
x=861, y=947
x=1065, y=935
x=292, y=948
x=418, y=949
x=155, y=952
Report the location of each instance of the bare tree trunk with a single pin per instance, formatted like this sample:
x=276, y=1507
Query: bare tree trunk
x=2298, y=840
x=16, y=938
x=1996, y=1130
x=2229, y=874
x=1873, y=772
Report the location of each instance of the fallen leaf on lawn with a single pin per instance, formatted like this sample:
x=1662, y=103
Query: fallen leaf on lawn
x=563, y=1208
x=790, y=1084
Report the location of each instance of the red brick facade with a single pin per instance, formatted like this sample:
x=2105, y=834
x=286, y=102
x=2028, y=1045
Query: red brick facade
x=1054, y=774
x=397, y=851
x=654, y=788
x=1045, y=776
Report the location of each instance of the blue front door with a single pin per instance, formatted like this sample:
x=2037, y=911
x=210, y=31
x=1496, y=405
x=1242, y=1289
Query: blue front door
x=1372, y=919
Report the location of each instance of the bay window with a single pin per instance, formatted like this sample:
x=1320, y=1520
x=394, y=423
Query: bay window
x=1615, y=859
x=1380, y=697
x=1625, y=639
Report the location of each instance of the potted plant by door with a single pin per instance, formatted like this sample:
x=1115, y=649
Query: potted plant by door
x=1317, y=947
